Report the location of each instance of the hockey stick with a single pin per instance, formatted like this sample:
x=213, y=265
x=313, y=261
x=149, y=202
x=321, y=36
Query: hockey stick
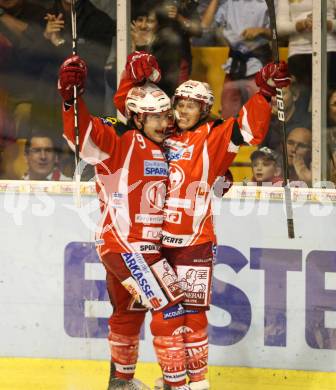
x=281, y=118
x=74, y=52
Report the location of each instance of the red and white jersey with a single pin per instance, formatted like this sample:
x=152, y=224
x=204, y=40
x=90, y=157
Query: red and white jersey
x=131, y=176
x=196, y=158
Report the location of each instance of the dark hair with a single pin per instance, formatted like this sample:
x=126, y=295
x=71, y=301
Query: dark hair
x=39, y=134
x=141, y=8
x=331, y=91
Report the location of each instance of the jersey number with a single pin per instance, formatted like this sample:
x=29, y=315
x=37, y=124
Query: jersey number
x=141, y=141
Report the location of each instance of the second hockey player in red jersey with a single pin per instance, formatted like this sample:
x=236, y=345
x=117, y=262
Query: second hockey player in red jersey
x=131, y=176
x=201, y=150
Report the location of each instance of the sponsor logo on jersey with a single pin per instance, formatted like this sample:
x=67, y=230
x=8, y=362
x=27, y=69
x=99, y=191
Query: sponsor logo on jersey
x=167, y=278
x=172, y=216
x=99, y=242
x=182, y=330
x=126, y=369
x=176, y=177
x=116, y=200
x=156, y=153
x=109, y=121
x=176, y=153
x=155, y=168
x=179, y=202
x=149, y=219
x=173, y=312
x=149, y=248
x=132, y=287
x=142, y=274
x=151, y=233
x=195, y=282
x=172, y=240
x=175, y=377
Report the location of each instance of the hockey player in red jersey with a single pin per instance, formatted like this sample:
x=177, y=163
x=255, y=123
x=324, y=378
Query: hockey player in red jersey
x=131, y=176
x=198, y=152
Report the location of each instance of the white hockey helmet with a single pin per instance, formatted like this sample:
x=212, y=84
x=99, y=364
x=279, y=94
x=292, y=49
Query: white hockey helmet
x=196, y=90
x=146, y=99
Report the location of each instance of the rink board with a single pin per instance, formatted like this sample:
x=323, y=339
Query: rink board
x=274, y=300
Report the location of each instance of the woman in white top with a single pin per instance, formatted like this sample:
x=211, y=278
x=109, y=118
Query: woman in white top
x=294, y=20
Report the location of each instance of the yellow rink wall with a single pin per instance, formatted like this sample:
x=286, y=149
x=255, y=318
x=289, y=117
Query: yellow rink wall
x=48, y=374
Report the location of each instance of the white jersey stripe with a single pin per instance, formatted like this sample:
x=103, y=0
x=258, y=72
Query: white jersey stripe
x=107, y=210
x=246, y=129
x=121, y=216
x=202, y=202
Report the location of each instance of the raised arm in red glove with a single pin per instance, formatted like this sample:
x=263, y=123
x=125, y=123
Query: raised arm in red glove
x=142, y=66
x=272, y=76
x=73, y=72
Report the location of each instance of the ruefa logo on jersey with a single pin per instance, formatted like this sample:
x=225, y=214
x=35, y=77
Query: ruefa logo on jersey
x=155, y=168
x=151, y=233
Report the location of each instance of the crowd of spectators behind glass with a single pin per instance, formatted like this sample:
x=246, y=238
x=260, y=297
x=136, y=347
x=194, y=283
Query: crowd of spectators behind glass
x=35, y=37
x=165, y=28
x=244, y=26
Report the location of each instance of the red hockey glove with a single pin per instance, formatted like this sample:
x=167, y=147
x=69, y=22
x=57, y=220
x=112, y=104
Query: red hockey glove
x=272, y=76
x=73, y=72
x=142, y=66
x=223, y=184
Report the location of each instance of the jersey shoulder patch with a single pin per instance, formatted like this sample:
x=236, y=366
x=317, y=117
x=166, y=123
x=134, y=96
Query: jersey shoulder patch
x=119, y=126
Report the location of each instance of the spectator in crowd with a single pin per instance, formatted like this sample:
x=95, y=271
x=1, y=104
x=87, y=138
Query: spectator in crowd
x=209, y=35
x=42, y=159
x=331, y=144
x=7, y=139
x=143, y=24
x=294, y=20
x=332, y=157
x=299, y=150
x=331, y=100
x=245, y=27
x=21, y=24
x=164, y=29
x=295, y=112
x=266, y=167
x=95, y=31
